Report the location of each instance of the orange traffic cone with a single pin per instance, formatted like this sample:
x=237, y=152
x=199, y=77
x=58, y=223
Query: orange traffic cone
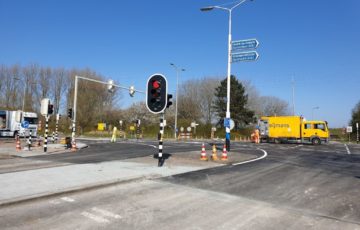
x=73, y=146
x=224, y=156
x=203, y=156
x=214, y=153
x=18, y=146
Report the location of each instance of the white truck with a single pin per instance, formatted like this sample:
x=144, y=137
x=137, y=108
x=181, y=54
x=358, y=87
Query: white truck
x=18, y=122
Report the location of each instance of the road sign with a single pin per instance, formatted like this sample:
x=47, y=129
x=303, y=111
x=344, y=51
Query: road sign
x=232, y=124
x=25, y=124
x=244, y=56
x=245, y=44
x=349, y=129
x=227, y=122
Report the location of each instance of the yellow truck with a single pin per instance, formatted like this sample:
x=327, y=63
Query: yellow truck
x=293, y=129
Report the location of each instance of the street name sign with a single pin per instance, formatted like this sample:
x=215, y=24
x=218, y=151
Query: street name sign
x=244, y=56
x=244, y=44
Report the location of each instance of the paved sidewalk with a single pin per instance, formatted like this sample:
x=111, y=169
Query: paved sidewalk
x=31, y=184
x=44, y=182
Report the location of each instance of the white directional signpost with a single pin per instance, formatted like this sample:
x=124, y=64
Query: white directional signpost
x=238, y=52
x=349, y=131
x=245, y=44
x=244, y=56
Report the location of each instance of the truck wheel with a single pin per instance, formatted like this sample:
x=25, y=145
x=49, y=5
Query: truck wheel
x=277, y=141
x=316, y=141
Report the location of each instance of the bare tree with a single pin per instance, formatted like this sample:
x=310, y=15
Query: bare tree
x=273, y=106
x=59, y=86
x=30, y=76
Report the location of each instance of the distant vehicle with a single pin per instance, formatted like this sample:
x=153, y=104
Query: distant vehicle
x=18, y=122
x=293, y=129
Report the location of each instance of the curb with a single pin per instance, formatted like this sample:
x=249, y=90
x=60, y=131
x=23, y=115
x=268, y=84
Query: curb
x=89, y=187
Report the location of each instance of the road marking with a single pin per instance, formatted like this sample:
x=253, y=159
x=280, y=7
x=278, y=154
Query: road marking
x=67, y=199
x=54, y=202
x=262, y=157
x=347, y=149
x=106, y=213
x=96, y=218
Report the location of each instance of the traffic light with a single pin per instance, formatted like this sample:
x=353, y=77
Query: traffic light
x=50, y=109
x=156, y=93
x=70, y=113
x=110, y=86
x=169, y=102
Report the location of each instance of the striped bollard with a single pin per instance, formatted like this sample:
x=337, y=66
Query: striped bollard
x=160, y=137
x=46, y=132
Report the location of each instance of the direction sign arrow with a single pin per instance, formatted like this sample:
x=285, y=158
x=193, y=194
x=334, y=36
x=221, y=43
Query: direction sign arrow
x=244, y=56
x=244, y=44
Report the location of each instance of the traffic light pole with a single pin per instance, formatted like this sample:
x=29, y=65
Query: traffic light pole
x=46, y=132
x=131, y=89
x=160, y=138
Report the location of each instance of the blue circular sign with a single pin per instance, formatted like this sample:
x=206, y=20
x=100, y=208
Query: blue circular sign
x=25, y=124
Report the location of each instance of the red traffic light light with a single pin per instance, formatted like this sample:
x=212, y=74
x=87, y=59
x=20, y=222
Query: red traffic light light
x=156, y=84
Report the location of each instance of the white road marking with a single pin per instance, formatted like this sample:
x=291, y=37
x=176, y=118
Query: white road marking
x=262, y=157
x=347, y=149
x=67, y=199
x=106, y=213
x=96, y=218
x=54, y=202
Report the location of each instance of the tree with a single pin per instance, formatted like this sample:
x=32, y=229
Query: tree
x=355, y=117
x=273, y=106
x=238, y=101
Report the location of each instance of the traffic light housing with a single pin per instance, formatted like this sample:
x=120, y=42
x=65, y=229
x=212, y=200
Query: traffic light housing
x=169, y=102
x=156, y=93
x=50, y=109
x=70, y=113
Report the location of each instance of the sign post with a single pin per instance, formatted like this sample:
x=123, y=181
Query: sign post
x=357, y=132
x=349, y=131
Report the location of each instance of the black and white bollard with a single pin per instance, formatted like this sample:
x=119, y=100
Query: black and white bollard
x=29, y=140
x=53, y=137
x=46, y=132
x=160, y=138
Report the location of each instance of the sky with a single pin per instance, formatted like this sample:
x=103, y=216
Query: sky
x=316, y=43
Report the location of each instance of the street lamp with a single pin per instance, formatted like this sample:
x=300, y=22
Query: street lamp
x=208, y=8
x=312, y=112
x=176, y=104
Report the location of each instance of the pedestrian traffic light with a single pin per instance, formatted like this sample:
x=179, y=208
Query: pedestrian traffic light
x=70, y=113
x=50, y=109
x=156, y=93
x=110, y=86
x=169, y=102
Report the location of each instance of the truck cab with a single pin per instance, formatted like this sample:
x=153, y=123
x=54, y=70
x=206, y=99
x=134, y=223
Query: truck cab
x=315, y=132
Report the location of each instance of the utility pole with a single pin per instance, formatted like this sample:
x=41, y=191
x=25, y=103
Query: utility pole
x=293, y=94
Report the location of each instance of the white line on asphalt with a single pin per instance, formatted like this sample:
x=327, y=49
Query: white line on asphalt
x=67, y=199
x=262, y=157
x=98, y=219
x=347, y=149
x=106, y=213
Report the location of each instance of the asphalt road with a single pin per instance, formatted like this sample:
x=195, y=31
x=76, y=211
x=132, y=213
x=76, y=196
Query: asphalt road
x=292, y=187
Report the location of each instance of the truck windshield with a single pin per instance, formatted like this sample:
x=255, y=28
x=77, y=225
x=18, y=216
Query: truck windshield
x=32, y=120
x=320, y=126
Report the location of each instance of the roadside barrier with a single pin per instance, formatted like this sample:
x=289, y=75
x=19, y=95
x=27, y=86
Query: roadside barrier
x=214, y=153
x=203, y=156
x=224, y=156
x=18, y=146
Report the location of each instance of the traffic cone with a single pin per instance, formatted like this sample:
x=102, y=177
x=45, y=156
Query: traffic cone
x=224, y=156
x=214, y=153
x=203, y=156
x=18, y=146
x=73, y=146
